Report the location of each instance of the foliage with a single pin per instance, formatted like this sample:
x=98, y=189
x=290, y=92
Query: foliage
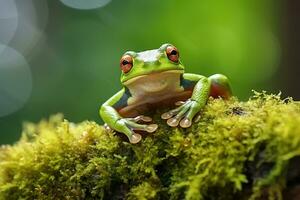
x=236, y=147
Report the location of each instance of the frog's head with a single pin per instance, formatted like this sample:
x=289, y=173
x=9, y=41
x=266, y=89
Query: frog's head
x=136, y=65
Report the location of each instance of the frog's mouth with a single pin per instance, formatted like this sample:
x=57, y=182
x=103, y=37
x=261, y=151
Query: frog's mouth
x=154, y=82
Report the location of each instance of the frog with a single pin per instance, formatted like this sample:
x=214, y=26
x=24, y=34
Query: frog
x=154, y=79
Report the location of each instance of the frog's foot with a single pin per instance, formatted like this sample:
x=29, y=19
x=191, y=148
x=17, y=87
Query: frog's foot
x=183, y=115
x=128, y=126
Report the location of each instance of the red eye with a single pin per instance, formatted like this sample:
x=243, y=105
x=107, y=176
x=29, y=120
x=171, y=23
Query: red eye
x=126, y=63
x=172, y=53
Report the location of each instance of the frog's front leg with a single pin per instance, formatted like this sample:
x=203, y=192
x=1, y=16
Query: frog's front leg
x=124, y=125
x=216, y=85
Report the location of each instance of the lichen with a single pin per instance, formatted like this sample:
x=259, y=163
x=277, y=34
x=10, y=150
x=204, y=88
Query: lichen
x=238, y=150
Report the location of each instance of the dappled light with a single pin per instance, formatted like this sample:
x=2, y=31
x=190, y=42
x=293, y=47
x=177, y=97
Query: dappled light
x=15, y=80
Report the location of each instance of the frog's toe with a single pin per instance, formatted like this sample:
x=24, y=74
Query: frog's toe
x=145, y=118
x=197, y=118
x=135, y=138
x=192, y=114
x=185, y=122
x=167, y=115
x=148, y=128
x=151, y=128
x=183, y=107
x=184, y=114
x=142, y=118
x=173, y=122
x=179, y=103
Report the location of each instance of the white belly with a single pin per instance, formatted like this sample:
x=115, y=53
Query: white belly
x=152, y=91
x=155, y=88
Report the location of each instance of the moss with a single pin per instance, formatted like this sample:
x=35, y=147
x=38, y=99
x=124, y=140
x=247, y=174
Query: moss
x=237, y=150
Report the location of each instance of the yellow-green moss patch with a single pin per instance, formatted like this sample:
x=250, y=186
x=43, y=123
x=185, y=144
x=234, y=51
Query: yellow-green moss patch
x=237, y=150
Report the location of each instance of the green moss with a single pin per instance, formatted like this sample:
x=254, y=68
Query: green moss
x=237, y=150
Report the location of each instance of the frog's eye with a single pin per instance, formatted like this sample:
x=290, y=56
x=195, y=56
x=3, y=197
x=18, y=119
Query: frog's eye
x=126, y=63
x=172, y=53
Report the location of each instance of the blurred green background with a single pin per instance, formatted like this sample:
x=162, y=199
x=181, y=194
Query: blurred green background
x=63, y=56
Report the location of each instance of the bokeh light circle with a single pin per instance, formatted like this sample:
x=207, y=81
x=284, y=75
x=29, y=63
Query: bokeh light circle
x=15, y=80
x=32, y=20
x=8, y=20
x=86, y=4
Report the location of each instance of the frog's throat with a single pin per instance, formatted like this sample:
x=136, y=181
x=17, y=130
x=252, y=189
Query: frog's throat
x=128, y=82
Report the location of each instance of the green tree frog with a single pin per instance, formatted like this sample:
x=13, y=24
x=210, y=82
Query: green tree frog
x=156, y=78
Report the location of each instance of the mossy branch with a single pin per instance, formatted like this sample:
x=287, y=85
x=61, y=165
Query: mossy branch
x=238, y=150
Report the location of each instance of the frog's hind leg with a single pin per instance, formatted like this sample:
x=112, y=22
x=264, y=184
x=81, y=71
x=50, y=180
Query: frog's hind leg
x=220, y=86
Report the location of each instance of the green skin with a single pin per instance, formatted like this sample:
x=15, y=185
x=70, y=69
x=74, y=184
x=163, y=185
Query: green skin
x=155, y=80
